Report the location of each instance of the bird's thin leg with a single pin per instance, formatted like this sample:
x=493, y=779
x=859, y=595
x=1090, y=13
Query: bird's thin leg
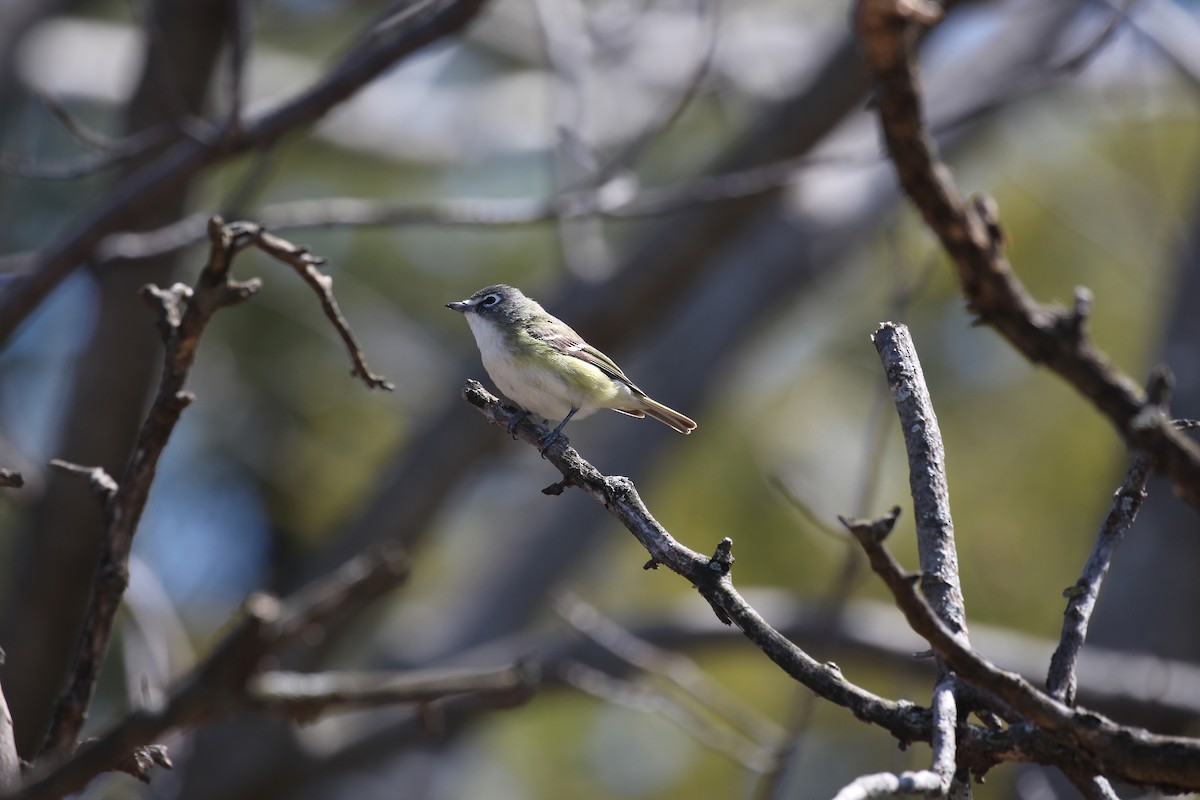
x=552, y=437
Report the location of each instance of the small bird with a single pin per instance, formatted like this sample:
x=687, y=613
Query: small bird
x=541, y=364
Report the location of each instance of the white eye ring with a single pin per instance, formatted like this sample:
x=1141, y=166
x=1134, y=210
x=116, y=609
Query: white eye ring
x=490, y=300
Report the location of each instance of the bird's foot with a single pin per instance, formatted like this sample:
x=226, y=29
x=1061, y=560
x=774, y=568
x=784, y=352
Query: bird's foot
x=549, y=440
x=517, y=415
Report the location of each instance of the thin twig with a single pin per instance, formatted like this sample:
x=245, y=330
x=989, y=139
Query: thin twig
x=240, y=34
x=304, y=697
x=1118, y=16
x=628, y=694
x=113, y=154
x=1062, y=679
x=307, y=265
x=85, y=136
x=675, y=668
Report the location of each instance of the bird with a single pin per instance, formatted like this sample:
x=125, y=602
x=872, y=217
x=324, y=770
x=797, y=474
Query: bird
x=540, y=363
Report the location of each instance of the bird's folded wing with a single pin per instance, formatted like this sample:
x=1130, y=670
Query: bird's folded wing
x=566, y=341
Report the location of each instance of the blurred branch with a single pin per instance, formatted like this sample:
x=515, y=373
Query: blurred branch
x=1119, y=11
x=221, y=684
x=85, y=136
x=11, y=479
x=675, y=668
x=615, y=199
x=1088, y=743
x=426, y=23
x=111, y=155
x=183, y=315
x=971, y=234
x=240, y=22
x=875, y=633
x=752, y=755
x=304, y=697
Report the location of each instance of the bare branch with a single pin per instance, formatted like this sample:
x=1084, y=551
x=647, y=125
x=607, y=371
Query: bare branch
x=11, y=479
x=306, y=266
x=970, y=233
x=710, y=576
x=183, y=315
x=425, y=23
x=239, y=44
x=92, y=140
x=113, y=154
x=219, y=686
x=1091, y=744
x=304, y=697
x=926, y=473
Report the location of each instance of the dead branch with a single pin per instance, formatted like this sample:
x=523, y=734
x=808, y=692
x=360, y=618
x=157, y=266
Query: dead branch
x=1088, y=742
x=1078, y=741
x=183, y=315
x=970, y=232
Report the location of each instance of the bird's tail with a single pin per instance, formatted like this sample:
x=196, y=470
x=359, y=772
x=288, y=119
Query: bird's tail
x=668, y=416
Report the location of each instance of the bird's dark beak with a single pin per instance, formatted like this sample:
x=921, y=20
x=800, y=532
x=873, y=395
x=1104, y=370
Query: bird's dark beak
x=459, y=305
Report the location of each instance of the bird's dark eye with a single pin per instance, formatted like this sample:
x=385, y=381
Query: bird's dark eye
x=490, y=300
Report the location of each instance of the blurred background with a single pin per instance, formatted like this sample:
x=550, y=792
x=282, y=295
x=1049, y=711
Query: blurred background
x=697, y=186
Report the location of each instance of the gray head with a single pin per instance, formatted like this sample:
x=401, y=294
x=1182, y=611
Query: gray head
x=498, y=302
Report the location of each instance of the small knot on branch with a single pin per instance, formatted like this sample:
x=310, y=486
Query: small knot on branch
x=722, y=559
x=987, y=210
x=555, y=489
x=1160, y=385
x=1073, y=324
x=168, y=305
x=871, y=531
x=1158, y=396
x=143, y=759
